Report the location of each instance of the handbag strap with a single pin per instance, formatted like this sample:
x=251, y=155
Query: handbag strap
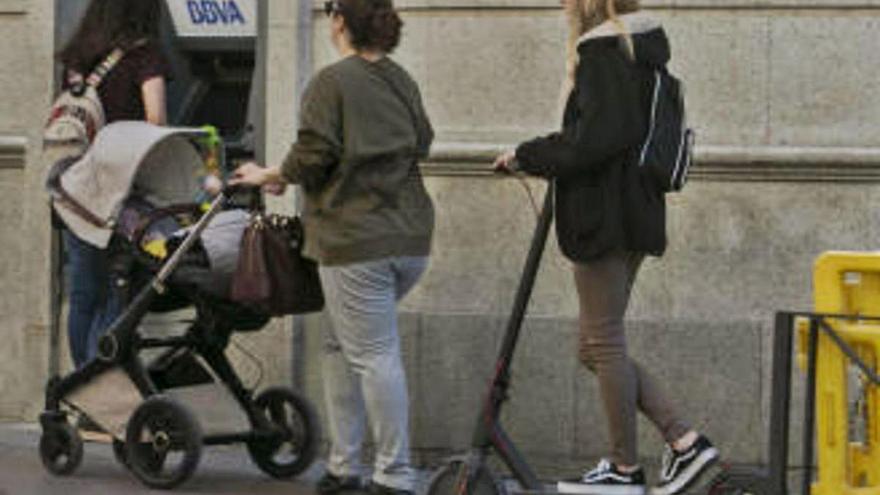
x=402, y=97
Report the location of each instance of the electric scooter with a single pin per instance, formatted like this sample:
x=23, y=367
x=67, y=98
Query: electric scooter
x=469, y=473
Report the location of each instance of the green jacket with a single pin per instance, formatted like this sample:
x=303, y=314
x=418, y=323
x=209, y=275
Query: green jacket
x=363, y=129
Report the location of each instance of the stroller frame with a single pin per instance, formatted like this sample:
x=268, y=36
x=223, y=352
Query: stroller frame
x=278, y=417
x=122, y=343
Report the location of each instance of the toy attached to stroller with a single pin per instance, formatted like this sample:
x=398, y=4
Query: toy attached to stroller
x=125, y=193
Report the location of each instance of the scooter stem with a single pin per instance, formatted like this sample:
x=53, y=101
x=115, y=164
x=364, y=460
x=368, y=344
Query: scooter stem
x=488, y=433
x=524, y=293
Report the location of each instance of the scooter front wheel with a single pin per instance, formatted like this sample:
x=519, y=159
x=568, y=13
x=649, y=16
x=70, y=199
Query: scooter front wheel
x=454, y=479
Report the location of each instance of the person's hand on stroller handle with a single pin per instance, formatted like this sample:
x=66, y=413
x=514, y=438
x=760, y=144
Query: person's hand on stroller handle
x=251, y=174
x=275, y=188
x=212, y=184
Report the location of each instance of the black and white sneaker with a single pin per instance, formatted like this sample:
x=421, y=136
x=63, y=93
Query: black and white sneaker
x=681, y=469
x=330, y=484
x=606, y=479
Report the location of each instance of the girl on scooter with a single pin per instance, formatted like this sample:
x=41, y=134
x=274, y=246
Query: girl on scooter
x=606, y=229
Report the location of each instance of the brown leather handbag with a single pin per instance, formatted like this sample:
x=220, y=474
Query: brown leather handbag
x=272, y=275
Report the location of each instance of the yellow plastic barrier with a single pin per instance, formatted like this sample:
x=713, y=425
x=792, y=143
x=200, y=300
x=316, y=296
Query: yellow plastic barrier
x=846, y=283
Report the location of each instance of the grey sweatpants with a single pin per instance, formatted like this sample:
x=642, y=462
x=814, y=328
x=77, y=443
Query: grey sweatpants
x=363, y=372
x=604, y=287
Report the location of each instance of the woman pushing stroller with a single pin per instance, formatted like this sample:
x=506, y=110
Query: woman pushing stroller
x=369, y=223
x=606, y=231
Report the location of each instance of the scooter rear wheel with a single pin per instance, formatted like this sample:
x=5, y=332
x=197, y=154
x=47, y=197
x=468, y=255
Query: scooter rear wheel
x=728, y=487
x=452, y=478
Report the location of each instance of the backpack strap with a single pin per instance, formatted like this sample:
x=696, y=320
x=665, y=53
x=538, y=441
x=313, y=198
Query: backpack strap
x=658, y=83
x=100, y=72
x=67, y=200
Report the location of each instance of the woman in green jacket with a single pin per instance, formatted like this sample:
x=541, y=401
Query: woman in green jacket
x=368, y=222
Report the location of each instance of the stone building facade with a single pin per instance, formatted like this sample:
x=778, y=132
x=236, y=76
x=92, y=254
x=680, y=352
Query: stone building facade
x=784, y=97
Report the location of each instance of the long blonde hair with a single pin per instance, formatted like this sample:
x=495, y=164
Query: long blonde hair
x=584, y=15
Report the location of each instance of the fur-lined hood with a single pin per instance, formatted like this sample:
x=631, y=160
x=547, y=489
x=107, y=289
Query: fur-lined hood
x=649, y=39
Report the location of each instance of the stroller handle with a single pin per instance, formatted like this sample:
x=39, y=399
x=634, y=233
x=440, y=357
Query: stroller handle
x=188, y=242
x=117, y=341
x=231, y=189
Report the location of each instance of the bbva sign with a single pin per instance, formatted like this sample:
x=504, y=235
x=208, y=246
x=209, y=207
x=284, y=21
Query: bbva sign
x=210, y=12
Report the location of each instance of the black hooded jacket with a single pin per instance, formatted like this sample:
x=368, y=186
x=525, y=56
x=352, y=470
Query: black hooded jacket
x=602, y=203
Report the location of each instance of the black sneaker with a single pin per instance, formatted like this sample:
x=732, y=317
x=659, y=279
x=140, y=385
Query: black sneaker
x=681, y=469
x=606, y=479
x=331, y=484
x=379, y=489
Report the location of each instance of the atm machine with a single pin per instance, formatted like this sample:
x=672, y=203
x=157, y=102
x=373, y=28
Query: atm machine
x=211, y=45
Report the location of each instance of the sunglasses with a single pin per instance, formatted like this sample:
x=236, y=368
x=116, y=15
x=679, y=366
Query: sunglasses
x=332, y=7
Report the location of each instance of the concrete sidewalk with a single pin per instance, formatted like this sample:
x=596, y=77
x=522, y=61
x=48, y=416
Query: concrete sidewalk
x=222, y=470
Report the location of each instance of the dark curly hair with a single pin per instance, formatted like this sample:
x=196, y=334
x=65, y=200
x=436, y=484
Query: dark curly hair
x=106, y=25
x=373, y=24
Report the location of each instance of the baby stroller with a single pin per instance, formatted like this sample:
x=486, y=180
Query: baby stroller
x=139, y=177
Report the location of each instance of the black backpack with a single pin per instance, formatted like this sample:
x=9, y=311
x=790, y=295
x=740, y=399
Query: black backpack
x=666, y=155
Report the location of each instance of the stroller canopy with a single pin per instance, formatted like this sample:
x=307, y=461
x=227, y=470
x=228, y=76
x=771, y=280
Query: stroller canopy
x=158, y=164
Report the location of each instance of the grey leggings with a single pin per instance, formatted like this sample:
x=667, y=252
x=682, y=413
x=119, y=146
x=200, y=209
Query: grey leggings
x=604, y=287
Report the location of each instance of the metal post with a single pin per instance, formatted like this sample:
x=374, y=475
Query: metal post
x=810, y=406
x=56, y=289
x=304, y=51
x=259, y=100
x=302, y=75
x=780, y=400
x=264, y=118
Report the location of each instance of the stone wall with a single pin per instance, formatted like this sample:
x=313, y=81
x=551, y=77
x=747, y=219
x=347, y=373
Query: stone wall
x=783, y=98
x=782, y=93
x=25, y=85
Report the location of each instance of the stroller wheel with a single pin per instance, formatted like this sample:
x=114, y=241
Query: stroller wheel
x=294, y=444
x=163, y=443
x=61, y=448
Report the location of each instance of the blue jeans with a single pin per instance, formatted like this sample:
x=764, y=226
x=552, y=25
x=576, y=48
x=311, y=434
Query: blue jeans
x=92, y=304
x=364, y=381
